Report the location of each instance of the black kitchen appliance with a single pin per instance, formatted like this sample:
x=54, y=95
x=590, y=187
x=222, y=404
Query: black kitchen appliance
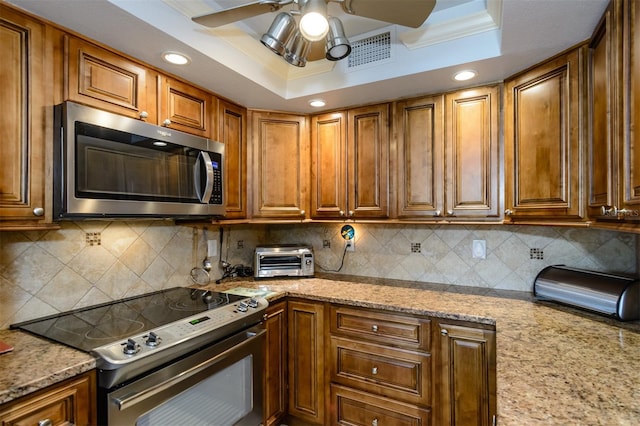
x=158, y=353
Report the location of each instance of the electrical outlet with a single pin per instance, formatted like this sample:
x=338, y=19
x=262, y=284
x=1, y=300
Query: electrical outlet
x=479, y=249
x=326, y=244
x=351, y=245
x=212, y=248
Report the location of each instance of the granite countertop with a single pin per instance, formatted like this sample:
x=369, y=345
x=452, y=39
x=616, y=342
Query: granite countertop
x=36, y=363
x=555, y=365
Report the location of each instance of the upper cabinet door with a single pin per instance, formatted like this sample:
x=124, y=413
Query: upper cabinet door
x=471, y=153
x=280, y=165
x=543, y=147
x=24, y=123
x=232, y=131
x=605, y=100
x=105, y=80
x=368, y=162
x=328, y=165
x=420, y=163
x=186, y=108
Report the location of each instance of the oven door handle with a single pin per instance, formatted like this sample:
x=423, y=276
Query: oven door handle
x=129, y=401
x=203, y=173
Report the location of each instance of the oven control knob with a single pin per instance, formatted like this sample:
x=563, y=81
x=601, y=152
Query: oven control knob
x=131, y=347
x=243, y=307
x=153, y=340
x=253, y=303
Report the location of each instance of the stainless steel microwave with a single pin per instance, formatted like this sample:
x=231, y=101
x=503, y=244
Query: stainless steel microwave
x=109, y=166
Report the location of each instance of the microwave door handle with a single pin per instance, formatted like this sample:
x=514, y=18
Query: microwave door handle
x=203, y=195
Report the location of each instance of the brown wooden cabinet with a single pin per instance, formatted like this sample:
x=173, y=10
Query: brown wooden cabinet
x=307, y=383
x=465, y=375
x=448, y=156
x=72, y=402
x=185, y=107
x=25, y=123
x=350, y=163
x=232, y=131
x=543, y=142
x=380, y=367
x=275, y=393
x=103, y=79
x=280, y=165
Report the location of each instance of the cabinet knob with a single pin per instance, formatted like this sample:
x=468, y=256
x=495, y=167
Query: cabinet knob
x=351, y=213
x=166, y=122
x=45, y=422
x=450, y=213
x=374, y=422
x=143, y=114
x=302, y=212
x=444, y=332
x=437, y=213
x=38, y=211
x=508, y=212
x=341, y=212
x=374, y=370
x=374, y=328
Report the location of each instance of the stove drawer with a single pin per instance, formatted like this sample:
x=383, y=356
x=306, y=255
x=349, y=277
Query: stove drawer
x=381, y=327
x=355, y=408
x=395, y=373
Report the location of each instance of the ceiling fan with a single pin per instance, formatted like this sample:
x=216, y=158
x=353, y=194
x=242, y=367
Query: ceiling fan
x=318, y=35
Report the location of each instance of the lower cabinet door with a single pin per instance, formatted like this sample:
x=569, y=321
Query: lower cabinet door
x=356, y=408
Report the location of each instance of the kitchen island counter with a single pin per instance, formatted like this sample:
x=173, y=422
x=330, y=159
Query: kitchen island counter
x=555, y=365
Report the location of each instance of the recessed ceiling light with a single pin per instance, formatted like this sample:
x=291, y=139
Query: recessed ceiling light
x=159, y=143
x=176, y=58
x=317, y=103
x=464, y=75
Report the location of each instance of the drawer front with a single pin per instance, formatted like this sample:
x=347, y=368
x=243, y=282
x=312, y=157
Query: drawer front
x=355, y=408
x=395, y=373
x=390, y=329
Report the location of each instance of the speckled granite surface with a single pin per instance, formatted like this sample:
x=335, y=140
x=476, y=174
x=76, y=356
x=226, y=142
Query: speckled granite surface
x=555, y=366
x=35, y=363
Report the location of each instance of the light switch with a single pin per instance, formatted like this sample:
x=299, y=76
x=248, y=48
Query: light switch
x=479, y=249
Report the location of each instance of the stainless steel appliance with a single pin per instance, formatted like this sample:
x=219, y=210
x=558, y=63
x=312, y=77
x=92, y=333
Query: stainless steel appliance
x=177, y=356
x=283, y=260
x=607, y=294
x=106, y=165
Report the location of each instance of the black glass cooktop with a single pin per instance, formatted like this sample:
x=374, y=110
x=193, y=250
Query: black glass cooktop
x=98, y=325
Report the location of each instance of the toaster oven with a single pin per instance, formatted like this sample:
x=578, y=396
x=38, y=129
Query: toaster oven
x=283, y=260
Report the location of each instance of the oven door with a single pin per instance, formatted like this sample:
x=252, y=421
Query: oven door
x=221, y=385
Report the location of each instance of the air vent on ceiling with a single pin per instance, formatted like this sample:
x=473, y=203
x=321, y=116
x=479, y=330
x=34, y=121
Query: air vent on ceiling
x=370, y=50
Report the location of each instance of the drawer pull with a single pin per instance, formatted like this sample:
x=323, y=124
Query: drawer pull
x=374, y=370
x=374, y=328
x=45, y=422
x=374, y=422
x=444, y=332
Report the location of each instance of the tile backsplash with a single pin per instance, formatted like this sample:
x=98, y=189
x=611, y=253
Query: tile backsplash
x=84, y=263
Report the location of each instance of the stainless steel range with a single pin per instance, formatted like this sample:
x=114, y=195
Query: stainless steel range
x=177, y=356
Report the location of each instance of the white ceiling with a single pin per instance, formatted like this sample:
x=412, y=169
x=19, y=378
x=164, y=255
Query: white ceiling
x=497, y=38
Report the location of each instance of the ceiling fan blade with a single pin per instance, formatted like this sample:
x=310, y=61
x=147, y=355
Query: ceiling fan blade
x=409, y=13
x=238, y=13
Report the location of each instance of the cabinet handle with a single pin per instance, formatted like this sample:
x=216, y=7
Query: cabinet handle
x=45, y=422
x=508, y=212
x=444, y=332
x=374, y=328
x=143, y=114
x=374, y=422
x=166, y=122
x=38, y=211
x=374, y=370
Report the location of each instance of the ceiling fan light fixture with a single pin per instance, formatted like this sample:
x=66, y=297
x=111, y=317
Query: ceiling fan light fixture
x=282, y=31
x=338, y=46
x=313, y=23
x=296, y=50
